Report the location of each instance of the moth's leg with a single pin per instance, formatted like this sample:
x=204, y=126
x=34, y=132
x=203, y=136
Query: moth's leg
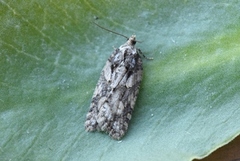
x=140, y=53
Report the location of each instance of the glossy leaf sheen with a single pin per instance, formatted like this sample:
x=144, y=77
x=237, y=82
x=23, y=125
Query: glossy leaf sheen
x=52, y=55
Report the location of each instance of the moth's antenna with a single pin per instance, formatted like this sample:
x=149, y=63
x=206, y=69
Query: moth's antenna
x=110, y=30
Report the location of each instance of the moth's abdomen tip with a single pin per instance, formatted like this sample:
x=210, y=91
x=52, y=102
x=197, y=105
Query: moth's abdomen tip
x=116, y=135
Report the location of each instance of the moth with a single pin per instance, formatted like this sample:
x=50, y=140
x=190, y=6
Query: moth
x=116, y=92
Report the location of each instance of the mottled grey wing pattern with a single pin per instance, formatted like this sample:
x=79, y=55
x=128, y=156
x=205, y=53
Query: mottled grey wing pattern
x=116, y=93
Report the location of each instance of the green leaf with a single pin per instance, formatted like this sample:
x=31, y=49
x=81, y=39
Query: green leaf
x=52, y=55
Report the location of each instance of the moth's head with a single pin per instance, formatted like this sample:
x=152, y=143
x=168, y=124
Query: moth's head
x=132, y=40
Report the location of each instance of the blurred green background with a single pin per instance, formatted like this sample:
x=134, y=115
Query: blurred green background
x=51, y=57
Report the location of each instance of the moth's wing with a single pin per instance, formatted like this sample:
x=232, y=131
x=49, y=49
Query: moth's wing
x=124, y=97
x=115, y=95
x=100, y=96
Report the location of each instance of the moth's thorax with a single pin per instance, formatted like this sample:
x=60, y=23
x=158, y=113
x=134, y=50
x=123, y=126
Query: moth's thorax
x=129, y=46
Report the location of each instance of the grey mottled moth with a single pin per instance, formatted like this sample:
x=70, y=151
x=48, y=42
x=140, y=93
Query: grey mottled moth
x=116, y=91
